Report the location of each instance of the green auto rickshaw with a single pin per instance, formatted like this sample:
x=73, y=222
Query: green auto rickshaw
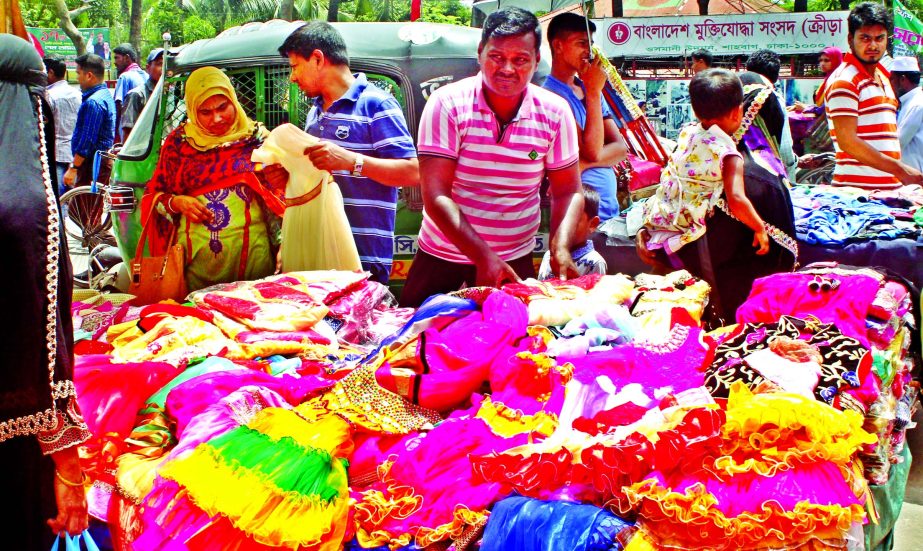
x=409, y=60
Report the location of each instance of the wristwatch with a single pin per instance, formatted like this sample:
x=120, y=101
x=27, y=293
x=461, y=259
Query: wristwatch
x=357, y=166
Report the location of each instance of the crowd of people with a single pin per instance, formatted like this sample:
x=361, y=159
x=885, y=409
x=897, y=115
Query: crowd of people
x=722, y=210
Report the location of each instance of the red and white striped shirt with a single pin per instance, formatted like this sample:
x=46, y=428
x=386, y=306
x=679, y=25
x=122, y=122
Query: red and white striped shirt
x=498, y=171
x=853, y=92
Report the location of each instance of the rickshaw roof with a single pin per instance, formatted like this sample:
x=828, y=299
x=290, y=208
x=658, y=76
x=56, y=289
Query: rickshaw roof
x=257, y=43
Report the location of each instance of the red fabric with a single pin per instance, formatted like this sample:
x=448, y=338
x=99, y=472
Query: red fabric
x=416, y=6
x=643, y=173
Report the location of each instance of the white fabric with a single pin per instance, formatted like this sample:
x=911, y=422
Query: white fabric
x=316, y=234
x=797, y=378
x=786, y=144
x=905, y=64
x=65, y=101
x=910, y=128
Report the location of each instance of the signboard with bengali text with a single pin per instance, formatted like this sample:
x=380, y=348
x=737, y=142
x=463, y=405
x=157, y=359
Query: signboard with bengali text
x=908, y=32
x=784, y=33
x=55, y=43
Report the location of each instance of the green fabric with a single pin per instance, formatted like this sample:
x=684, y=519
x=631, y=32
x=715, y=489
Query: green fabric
x=889, y=498
x=215, y=257
x=210, y=365
x=883, y=367
x=918, y=217
x=283, y=463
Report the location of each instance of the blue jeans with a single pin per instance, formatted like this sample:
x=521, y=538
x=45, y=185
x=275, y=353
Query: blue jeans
x=61, y=168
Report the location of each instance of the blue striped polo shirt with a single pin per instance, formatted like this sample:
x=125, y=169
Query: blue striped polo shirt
x=369, y=121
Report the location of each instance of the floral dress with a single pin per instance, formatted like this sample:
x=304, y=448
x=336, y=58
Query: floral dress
x=691, y=187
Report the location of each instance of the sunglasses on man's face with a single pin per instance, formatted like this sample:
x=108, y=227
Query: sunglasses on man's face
x=823, y=284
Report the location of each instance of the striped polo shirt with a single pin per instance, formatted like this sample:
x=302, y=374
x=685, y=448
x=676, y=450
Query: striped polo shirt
x=853, y=92
x=369, y=121
x=498, y=170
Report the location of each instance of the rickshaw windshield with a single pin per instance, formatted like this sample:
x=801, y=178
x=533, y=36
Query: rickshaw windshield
x=139, y=140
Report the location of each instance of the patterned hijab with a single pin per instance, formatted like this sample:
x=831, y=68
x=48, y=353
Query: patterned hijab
x=203, y=84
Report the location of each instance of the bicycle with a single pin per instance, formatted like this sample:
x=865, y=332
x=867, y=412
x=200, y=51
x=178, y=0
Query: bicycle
x=86, y=214
x=86, y=209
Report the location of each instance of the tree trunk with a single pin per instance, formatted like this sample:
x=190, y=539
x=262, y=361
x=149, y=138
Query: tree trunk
x=703, y=7
x=134, y=35
x=801, y=6
x=287, y=10
x=66, y=22
x=333, y=11
x=617, y=9
x=844, y=4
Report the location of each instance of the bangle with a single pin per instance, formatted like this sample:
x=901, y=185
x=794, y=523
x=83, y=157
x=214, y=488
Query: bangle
x=67, y=482
x=170, y=204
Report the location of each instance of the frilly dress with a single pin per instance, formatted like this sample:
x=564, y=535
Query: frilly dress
x=428, y=494
x=783, y=479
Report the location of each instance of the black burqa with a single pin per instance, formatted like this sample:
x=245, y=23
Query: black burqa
x=29, y=221
x=725, y=256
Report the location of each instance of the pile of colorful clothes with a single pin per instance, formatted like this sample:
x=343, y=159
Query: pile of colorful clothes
x=835, y=215
x=304, y=411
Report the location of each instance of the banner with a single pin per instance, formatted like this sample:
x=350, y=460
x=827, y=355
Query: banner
x=908, y=31
x=783, y=33
x=56, y=43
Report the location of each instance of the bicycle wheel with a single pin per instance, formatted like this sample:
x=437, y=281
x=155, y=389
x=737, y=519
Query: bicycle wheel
x=86, y=216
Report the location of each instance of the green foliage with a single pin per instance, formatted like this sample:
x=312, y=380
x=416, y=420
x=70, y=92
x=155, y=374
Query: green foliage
x=190, y=20
x=446, y=11
x=39, y=14
x=196, y=28
x=161, y=16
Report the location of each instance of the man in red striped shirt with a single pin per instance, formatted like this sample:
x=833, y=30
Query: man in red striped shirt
x=485, y=143
x=862, y=108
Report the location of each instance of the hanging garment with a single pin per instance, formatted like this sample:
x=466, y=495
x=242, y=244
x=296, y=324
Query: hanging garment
x=315, y=232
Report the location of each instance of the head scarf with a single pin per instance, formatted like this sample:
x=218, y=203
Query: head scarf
x=205, y=83
x=836, y=57
x=835, y=54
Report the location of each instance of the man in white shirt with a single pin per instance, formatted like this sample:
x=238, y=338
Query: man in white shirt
x=65, y=102
x=905, y=79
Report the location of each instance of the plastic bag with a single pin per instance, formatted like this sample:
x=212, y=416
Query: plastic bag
x=72, y=543
x=315, y=232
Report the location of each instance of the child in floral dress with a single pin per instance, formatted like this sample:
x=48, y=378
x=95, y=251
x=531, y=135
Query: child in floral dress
x=705, y=172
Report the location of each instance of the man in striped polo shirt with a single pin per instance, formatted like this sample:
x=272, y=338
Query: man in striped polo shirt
x=364, y=143
x=485, y=144
x=861, y=107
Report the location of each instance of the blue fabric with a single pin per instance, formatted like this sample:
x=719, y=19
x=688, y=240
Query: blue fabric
x=438, y=305
x=600, y=179
x=828, y=218
x=586, y=258
x=353, y=545
x=369, y=121
x=527, y=524
x=128, y=81
x=95, y=128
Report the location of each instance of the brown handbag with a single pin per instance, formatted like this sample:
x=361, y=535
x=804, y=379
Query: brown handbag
x=157, y=278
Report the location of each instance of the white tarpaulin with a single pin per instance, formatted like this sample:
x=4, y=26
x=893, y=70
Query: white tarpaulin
x=784, y=33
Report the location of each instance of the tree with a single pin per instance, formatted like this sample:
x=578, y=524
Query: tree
x=444, y=11
x=196, y=28
x=66, y=22
x=137, y=16
x=333, y=10
x=617, y=9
